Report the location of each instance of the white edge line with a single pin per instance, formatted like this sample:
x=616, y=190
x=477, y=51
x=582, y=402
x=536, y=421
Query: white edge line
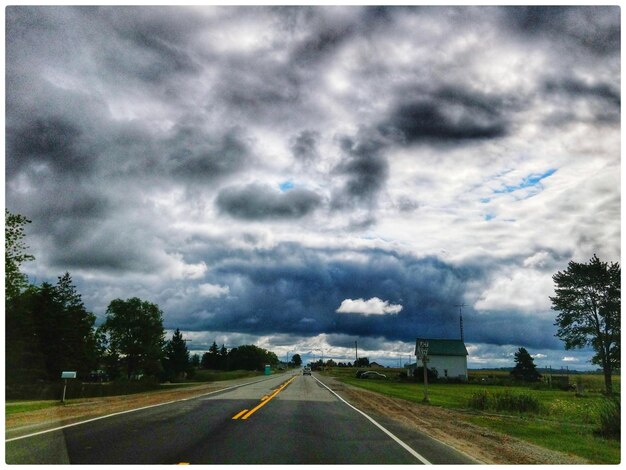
x=129, y=411
x=386, y=431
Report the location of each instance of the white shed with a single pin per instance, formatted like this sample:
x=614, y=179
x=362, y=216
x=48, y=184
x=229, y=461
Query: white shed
x=447, y=356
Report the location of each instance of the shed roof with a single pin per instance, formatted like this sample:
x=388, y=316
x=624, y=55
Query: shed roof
x=443, y=347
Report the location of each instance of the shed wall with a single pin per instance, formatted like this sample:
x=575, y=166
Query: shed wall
x=456, y=366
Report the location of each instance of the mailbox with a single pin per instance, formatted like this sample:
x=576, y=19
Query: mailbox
x=68, y=374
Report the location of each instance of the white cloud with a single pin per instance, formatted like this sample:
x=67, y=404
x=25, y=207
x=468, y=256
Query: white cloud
x=213, y=290
x=525, y=290
x=373, y=306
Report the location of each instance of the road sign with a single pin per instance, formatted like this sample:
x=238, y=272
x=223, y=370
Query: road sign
x=67, y=374
x=422, y=349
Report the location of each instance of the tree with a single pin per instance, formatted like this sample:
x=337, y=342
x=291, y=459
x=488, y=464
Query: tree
x=135, y=336
x=250, y=357
x=223, y=363
x=24, y=360
x=77, y=332
x=49, y=327
x=525, y=368
x=14, y=254
x=176, y=360
x=297, y=360
x=362, y=362
x=211, y=359
x=588, y=299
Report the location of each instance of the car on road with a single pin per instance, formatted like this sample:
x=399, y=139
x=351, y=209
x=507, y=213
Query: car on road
x=371, y=374
x=306, y=371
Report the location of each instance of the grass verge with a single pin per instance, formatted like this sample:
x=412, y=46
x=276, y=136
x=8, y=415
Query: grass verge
x=13, y=407
x=559, y=420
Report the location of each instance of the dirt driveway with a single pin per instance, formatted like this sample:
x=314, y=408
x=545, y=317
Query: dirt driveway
x=484, y=445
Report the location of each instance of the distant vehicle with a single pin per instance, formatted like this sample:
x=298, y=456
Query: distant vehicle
x=306, y=371
x=370, y=374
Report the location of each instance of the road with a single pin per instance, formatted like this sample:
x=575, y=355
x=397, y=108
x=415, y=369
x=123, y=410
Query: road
x=284, y=419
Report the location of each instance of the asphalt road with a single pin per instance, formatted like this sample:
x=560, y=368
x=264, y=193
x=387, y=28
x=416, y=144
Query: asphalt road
x=285, y=419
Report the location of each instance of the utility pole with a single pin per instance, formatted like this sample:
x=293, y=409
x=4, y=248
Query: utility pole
x=461, y=318
x=356, y=352
x=423, y=352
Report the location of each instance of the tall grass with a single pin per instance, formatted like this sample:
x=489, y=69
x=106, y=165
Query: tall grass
x=610, y=419
x=504, y=401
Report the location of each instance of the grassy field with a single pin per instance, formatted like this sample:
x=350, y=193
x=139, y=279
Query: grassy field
x=12, y=407
x=563, y=421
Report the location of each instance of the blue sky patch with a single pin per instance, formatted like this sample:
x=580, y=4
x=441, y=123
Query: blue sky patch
x=531, y=180
x=286, y=186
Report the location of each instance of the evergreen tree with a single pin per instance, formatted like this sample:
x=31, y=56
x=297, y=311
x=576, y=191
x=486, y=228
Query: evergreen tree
x=525, y=369
x=176, y=360
x=211, y=359
x=77, y=328
x=224, y=362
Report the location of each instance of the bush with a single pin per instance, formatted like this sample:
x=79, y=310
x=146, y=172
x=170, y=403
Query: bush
x=610, y=420
x=479, y=400
x=505, y=401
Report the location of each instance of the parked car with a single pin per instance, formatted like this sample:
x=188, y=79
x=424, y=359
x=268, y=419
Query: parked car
x=371, y=374
x=306, y=371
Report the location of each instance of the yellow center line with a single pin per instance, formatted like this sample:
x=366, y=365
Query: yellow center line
x=264, y=401
x=238, y=415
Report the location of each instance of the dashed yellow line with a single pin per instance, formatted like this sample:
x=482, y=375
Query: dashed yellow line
x=245, y=414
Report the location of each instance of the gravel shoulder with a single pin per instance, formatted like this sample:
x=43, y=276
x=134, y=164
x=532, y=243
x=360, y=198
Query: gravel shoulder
x=447, y=426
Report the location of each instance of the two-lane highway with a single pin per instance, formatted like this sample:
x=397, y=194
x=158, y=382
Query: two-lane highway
x=285, y=419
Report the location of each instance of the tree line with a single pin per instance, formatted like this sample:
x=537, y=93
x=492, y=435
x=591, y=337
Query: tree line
x=49, y=330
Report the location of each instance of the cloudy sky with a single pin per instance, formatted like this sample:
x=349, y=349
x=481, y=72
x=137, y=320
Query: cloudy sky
x=304, y=178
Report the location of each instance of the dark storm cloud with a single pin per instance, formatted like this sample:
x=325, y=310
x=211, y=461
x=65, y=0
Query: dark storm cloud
x=599, y=103
x=199, y=156
x=327, y=29
x=258, y=202
x=56, y=128
x=365, y=168
x=577, y=89
x=52, y=139
x=448, y=115
x=594, y=28
x=297, y=290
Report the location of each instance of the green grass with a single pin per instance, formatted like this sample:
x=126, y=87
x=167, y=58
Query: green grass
x=561, y=436
x=13, y=407
x=562, y=421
